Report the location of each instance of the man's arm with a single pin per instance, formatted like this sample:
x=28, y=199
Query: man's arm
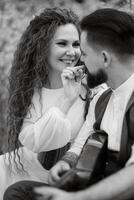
x=65, y=164
x=119, y=186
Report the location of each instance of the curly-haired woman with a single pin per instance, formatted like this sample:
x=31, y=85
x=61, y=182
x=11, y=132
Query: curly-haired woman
x=43, y=104
x=46, y=110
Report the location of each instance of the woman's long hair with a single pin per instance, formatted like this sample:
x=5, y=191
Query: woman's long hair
x=30, y=68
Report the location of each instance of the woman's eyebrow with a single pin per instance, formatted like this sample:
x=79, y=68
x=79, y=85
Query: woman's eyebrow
x=65, y=40
x=60, y=39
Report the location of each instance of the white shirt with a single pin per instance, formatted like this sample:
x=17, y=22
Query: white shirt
x=113, y=117
x=46, y=127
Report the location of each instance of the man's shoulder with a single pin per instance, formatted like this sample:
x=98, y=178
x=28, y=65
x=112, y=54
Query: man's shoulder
x=98, y=90
x=130, y=108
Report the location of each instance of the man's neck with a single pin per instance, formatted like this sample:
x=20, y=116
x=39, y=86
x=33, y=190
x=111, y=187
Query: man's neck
x=119, y=75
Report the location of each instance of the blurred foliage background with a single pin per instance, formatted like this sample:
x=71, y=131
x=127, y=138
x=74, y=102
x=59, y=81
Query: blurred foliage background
x=15, y=16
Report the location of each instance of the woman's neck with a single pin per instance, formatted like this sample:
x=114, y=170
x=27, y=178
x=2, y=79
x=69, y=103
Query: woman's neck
x=55, y=81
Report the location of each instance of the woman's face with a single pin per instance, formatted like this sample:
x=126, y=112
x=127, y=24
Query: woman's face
x=65, y=48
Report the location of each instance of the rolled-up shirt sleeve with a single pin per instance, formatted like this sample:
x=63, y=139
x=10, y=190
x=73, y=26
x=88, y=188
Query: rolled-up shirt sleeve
x=52, y=130
x=80, y=140
x=86, y=130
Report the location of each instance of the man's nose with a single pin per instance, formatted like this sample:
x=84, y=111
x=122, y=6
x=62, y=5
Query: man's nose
x=82, y=58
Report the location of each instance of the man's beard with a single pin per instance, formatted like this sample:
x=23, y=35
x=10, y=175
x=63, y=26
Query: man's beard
x=97, y=78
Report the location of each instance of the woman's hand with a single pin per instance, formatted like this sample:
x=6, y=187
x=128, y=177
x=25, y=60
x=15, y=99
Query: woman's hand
x=71, y=79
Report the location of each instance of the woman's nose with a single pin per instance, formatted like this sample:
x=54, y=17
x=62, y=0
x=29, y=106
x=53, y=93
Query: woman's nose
x=70, y=51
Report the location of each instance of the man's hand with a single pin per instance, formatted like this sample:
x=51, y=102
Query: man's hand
x=56, y=172
x=46, y=193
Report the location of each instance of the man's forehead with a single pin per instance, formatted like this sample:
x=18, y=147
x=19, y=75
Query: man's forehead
x=83, y=35
x=83, y=39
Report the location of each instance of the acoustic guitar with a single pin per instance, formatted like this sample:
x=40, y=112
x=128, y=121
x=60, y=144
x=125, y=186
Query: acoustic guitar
x=90, y=165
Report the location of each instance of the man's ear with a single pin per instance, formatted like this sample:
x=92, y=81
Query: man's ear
x=106, y=58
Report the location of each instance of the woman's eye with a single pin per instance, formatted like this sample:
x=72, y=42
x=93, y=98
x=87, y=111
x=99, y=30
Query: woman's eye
x=61, y=43
x=77, y=44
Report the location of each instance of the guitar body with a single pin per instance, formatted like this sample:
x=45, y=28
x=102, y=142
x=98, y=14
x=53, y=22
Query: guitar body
x=90, y=165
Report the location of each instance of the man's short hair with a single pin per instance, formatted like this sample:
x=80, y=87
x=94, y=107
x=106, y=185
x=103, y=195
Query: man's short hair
x=110, y=28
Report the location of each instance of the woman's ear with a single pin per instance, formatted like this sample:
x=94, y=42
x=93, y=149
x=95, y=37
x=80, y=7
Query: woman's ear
x=106, y=58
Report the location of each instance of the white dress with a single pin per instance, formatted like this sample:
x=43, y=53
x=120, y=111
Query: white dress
x=46, y=128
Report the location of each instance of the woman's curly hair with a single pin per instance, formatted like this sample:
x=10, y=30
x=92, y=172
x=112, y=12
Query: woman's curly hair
x=30, y=68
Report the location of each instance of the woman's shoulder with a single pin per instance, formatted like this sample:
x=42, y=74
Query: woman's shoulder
x=46, y=94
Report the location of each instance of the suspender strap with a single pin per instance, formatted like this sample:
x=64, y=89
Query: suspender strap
x=127, y=136
x=100, y=108
x=130, y=115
